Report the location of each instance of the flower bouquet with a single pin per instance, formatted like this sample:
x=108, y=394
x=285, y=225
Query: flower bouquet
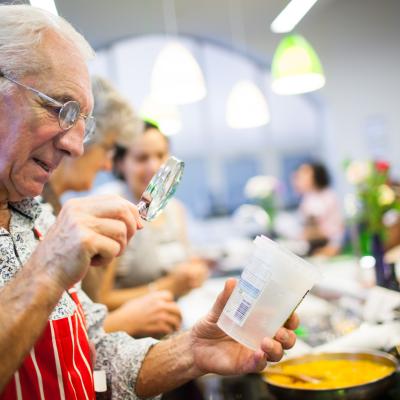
x=375, y=198
x=262, y=190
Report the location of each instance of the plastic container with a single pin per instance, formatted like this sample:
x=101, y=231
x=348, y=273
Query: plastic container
x=272, y=285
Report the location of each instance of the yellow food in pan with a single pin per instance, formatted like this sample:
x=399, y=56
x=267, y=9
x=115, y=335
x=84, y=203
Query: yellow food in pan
x=333, y=373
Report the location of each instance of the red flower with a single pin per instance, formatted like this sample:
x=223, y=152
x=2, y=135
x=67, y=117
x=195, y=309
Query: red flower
x=382, y=166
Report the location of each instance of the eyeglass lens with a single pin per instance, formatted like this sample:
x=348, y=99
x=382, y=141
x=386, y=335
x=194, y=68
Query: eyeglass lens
x=69, y=114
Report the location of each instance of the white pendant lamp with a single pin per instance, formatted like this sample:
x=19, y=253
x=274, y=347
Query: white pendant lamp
x=166, y=116
x=246, y=106
x=176, y=77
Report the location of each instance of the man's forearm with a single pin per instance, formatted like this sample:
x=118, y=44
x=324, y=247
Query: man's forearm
x=25, y=305
x=168, y=364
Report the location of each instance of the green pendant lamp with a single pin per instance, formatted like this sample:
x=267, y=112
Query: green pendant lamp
x=296, y=67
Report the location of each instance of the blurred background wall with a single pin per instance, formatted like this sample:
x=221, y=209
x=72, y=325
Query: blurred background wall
x=354, y=116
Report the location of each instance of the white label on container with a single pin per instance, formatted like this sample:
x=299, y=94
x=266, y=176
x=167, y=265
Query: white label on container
x=254, y=278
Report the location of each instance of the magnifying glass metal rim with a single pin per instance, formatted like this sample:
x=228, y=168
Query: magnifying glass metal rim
x=147, y=198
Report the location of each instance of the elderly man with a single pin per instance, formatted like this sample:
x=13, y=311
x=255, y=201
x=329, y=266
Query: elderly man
x=46, y=323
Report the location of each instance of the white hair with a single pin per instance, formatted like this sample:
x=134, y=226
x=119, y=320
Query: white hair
x=21, y=32
x=113, y=113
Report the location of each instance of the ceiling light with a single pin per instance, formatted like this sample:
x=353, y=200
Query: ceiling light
x=291, y=15
x=176, y=77
x=246, y=106
x=166, y=116
x=296, y=67
x=47, y=5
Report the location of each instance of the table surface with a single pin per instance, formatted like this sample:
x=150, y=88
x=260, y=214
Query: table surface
x=339, y=275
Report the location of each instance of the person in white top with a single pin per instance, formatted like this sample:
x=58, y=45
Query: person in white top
x=323, y=224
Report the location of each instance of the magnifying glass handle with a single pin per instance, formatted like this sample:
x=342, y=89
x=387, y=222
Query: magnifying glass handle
x=141, y=206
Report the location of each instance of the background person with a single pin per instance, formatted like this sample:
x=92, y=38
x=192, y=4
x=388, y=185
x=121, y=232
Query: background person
x=323, y=223
x=115, y=120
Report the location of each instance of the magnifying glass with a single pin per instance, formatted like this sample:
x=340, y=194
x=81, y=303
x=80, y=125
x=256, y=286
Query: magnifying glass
x=160, y=189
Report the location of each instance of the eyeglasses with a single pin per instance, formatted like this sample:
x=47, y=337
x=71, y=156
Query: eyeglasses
x=68, y=112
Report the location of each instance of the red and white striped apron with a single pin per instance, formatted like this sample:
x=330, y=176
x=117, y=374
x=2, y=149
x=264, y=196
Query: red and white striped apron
x=59, y=366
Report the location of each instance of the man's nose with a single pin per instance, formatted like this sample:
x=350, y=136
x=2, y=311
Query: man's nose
x=71, y=141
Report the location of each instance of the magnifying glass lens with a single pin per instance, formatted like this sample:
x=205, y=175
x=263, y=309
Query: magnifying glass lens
x=160, y=189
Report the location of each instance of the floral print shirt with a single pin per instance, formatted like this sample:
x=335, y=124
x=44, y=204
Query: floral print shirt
x=118, y=354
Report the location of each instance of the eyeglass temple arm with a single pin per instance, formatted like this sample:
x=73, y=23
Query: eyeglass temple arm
x=40, y=94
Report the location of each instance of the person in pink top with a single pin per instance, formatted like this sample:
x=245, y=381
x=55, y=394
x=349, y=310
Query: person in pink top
x=320, y=211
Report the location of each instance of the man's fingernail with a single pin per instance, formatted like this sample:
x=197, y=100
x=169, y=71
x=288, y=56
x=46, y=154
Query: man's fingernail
x=284, y=336
x=269, y=345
